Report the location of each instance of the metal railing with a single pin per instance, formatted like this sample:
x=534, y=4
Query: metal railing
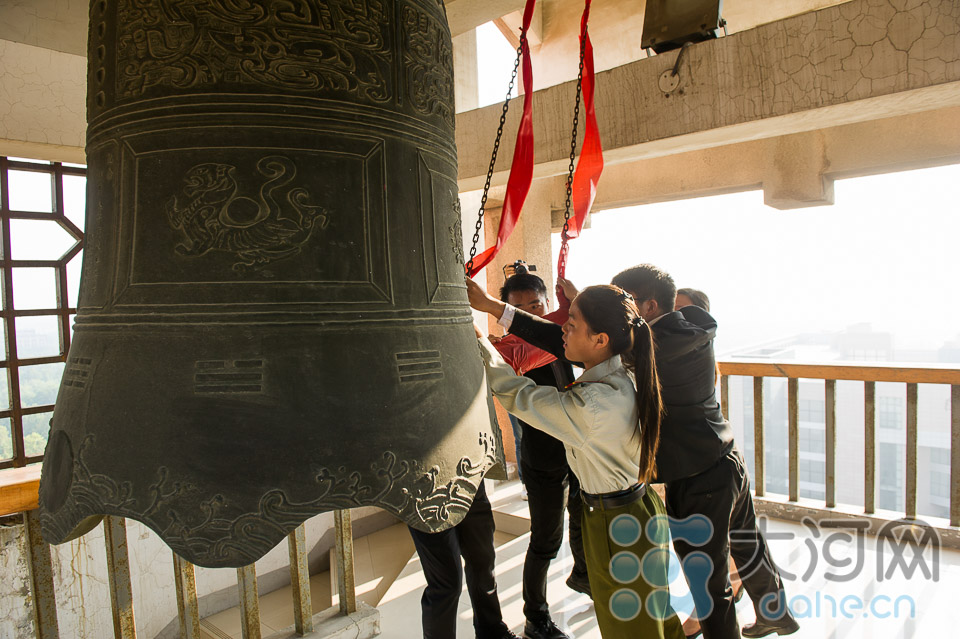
x=870, y=375
x=18, y=494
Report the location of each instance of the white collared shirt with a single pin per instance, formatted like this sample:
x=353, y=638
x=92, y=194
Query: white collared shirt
x=506, y=320
x=596, y=418
x=655, y=319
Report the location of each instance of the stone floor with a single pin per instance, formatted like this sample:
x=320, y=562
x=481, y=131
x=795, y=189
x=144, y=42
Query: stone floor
x=827, y=591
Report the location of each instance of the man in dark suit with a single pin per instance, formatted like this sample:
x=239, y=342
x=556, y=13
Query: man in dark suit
x=697, y=459
x=699, y=462
x=440, y=554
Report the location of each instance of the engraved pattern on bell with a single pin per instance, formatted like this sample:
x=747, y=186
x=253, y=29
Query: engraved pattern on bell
x=272, y=319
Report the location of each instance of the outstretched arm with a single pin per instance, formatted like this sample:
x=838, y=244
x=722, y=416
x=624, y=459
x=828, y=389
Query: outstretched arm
x=520, y=355
x=538, y=331
x=568, y=416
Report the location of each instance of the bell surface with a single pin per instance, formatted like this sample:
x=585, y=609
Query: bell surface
x=272, y=319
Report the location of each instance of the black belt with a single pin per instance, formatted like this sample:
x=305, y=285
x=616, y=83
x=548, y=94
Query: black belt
x=615, y=500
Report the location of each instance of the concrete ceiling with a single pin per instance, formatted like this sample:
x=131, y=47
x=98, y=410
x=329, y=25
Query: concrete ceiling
x=464, y=15
x=61, y=25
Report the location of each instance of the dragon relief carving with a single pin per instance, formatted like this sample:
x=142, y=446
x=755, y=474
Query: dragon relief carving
x=213, y=213
x=293, y=45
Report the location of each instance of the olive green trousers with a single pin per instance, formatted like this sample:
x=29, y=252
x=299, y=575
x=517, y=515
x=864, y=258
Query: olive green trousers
x=627, y=552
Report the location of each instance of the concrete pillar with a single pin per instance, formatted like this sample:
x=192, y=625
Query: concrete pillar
x=530, y=240
x=465, y=71
x=793, y=173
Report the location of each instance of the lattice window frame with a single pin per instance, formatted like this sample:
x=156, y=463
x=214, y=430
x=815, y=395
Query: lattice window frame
x=11, y=363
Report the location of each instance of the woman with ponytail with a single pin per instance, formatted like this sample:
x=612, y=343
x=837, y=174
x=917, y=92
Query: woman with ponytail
x=609, y=422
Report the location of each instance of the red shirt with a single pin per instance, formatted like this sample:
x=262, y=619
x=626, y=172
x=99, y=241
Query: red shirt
x=522, y=356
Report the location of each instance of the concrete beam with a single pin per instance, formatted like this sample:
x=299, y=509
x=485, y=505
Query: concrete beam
x=793, y=171
x=510, y=24
x=854, y=62
x=464, y=15
x=930, y=138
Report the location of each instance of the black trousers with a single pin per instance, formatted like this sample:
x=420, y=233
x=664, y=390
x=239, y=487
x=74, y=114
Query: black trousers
x=440, y=555
x=722, y=494
x=546, y=475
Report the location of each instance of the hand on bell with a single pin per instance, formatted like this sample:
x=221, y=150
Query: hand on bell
x=479, y=299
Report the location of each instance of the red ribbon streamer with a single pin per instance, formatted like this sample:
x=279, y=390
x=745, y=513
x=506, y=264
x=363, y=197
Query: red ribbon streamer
x=590, y=164
x=521, y=171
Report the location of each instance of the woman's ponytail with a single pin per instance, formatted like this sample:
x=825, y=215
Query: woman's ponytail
x=649, y=403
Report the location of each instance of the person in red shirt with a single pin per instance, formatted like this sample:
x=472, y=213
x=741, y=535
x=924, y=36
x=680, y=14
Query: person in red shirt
x=520, y=355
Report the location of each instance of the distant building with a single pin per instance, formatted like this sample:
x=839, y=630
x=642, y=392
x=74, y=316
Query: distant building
x=858, y=343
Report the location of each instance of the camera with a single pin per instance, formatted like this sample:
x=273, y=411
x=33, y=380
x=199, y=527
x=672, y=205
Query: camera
x=518, y=268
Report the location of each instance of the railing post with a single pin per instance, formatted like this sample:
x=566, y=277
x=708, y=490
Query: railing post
x=41, y=579
x=188, y=609
x=911, y=465
x=345, y=575
x=118, y=574
x=300, y=580
x=830, y=442
x=793, y=437
x=869, y=447
x=725, y=396
x=249, y=602
x=955, y=455
x=759, y=485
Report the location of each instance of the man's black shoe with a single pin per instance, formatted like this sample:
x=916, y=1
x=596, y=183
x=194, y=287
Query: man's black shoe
x=786, y=625
x=543, y=629
x=509, y=634
x=579, y=584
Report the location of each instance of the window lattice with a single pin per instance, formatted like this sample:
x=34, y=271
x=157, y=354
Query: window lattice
x=42, y=208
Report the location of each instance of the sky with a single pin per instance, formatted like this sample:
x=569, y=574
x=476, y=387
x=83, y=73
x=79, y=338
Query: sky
x=886, y=254
x=496, y=61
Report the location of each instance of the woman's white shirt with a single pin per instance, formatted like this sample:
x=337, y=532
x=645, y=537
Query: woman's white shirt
x=596, y=418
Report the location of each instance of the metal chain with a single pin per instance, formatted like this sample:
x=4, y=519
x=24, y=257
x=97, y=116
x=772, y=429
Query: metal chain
x=496, y=150
x=564, y=244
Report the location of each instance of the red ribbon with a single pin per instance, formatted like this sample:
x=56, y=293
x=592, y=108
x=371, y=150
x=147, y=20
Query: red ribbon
x=590, y=164
x=521, y=171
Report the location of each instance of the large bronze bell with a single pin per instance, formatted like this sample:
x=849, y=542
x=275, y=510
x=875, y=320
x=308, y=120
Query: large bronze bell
x=272, y=318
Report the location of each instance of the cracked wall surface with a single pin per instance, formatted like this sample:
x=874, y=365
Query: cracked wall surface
x=42, y=102
x=60, y=25
x=856, y=61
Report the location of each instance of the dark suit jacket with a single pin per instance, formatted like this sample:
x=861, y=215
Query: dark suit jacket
x=694, y=434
